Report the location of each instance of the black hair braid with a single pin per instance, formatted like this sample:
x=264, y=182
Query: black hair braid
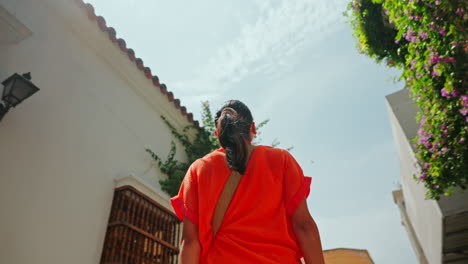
x=233, y=123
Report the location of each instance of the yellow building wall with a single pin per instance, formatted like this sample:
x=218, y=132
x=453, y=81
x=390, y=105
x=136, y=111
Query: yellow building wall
x=347, y=256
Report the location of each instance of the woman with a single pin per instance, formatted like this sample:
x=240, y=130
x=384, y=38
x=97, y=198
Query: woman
x=266, y=220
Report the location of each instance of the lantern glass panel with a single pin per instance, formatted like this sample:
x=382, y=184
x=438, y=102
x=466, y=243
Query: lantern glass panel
x=17, y=90
x=8, y=84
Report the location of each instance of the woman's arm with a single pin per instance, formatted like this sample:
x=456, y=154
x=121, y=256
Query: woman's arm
x=189, y=245
x=307, y=234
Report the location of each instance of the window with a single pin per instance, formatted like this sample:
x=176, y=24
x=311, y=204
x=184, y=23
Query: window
x=140, y=231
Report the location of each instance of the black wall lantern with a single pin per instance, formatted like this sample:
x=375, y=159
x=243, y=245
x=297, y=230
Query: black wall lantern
x=16, y=89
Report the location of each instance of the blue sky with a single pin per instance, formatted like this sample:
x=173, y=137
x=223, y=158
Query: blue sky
x=294, y=62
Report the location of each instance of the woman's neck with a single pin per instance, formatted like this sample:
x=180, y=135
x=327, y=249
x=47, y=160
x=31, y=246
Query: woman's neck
x=250, y=149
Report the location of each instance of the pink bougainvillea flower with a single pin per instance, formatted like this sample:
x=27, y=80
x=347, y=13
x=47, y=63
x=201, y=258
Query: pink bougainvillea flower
x=413, y=65
x=426, y=68
x=449, y=60
x=421, y=140
x=444, y=93
x=434, y=59
x=420, y=132
x=464, y=111
x=423, y=34
x=423, y=176
x=428, y=145
x=461, y=141
x=442, y=32
x=464, y=100
x=445, y=150
x=459, y=11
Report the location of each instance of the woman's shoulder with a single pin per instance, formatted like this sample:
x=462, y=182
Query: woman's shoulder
x=217, y=158
x=277, y=153
x=209, y=160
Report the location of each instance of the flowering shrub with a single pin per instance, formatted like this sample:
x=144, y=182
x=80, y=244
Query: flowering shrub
x=375, y=34
x=432, y=34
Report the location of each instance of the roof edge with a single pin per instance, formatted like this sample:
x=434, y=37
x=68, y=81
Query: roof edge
x=139, y=64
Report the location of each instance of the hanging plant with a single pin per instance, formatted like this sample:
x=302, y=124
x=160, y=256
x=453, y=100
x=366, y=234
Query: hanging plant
x=432, y=36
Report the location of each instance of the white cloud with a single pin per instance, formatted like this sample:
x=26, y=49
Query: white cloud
x=279, y=32
x=267, y=45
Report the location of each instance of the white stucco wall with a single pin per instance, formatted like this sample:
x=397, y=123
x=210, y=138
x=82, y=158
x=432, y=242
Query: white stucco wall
x=400, y=202
x=61, y=149
x=424, y=215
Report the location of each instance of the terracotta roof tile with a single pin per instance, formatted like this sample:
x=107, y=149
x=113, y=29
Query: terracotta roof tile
x=101, y=23
x=190, y=117
x=177, y=103
x=183, y=110
x=163, y=88
x=112, y=34
x=147, y=72
x=122, y=44
x=139, y=63
x=156, y=81
x=170, y=97
x=131, y=54
x=89, y=10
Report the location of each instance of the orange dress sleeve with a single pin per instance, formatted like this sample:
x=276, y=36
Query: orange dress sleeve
x=296, y=186
x=185, y=203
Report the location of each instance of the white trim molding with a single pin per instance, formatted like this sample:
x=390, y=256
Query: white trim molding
x=144, y=187
x=12, y=31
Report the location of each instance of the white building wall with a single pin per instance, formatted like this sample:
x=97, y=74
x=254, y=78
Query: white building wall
x=61, y=149
x=424, y=214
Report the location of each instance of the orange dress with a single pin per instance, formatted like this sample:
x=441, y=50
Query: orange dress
x=256, y=227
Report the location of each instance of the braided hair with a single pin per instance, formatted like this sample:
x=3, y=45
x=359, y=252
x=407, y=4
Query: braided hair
x=233, y=122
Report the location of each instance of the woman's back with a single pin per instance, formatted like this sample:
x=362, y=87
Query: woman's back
x=267, y=219
x=256, y=227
